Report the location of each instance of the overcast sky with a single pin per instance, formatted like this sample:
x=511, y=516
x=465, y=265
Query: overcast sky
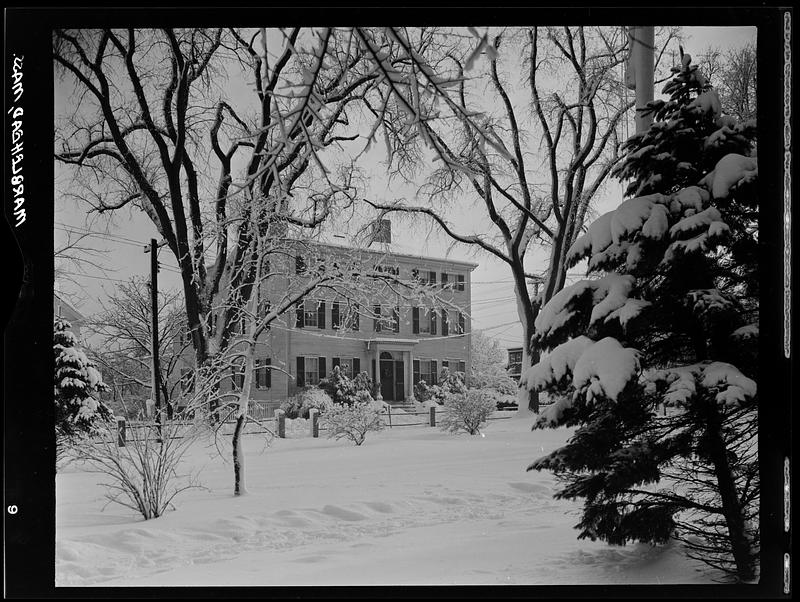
x=122, y=251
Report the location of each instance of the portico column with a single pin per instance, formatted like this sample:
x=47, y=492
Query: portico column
x=409, y=375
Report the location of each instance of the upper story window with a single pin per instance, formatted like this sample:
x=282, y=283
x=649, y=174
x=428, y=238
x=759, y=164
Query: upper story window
x=299, y=264
x=423, y=321
x=263, y=373
x=460, y=282
x=386, y=319
x=310, y=314
x=387, y=269
x=427, y=277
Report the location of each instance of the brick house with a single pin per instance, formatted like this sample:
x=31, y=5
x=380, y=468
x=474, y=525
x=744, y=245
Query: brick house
x=396, y=341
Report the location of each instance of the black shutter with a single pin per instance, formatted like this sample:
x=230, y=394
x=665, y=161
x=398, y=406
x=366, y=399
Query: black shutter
x=445, y=324
x=301, y=318
x=415, y=320
x=334, y=362
x=396, y=319
x=444, y=279
x=434, y=373
x=416, y=371
x=433, y=321
x=356, y=318
x=321, y=314
x=335, y=315
x=376, y=310
x=267, y=373
x=462, y=367
x=301, y=371
x=432, y=278
x=356, y=366
x=321, y=363
x=462, y=323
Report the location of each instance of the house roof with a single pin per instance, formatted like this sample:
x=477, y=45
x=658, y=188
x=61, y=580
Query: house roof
x=467, y=264
x=65, y=310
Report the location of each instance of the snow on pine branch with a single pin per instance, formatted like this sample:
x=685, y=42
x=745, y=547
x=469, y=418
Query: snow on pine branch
x=684, y=384
x=609, y=300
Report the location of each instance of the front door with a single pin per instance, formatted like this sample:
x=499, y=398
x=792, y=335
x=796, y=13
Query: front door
x=399, y=377
x=387, y=380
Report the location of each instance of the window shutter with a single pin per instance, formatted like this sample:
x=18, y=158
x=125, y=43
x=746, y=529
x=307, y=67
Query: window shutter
x=444, y=279
x=267, y=373
x=445, y=324
x=356, y=320
x=321, y=363
x=433, y=321
x=462, y=367
x=462, y=322
x=335, y=315
x=258, y=372
x=416, y=371
x=415, y=320
x=396, y=319
x=335, y=361
x=376, y=310
x=301, y=371
x=321, y=315
x=356, y=366
x=432, y=278
x=434, y=373
x=301, y=318
x=460, y=285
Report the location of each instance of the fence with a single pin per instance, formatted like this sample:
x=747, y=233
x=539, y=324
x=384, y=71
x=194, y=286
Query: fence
x=265, y=411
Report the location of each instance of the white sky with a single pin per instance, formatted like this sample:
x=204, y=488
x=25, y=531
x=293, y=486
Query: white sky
x=494, y=309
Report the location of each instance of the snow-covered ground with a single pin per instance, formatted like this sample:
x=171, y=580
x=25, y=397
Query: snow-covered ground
x=413, y=505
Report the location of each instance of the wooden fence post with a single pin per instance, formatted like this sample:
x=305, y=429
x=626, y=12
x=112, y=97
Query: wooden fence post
x=313, y=414
x=120, y=432
x=280, y=416
x=433, y=416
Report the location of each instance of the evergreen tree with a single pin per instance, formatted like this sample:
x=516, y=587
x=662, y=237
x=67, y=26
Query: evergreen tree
x=653, y=357
x=77, y=384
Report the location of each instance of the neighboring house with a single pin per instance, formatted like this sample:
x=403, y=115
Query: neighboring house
x=515, y=362
x=70, y=314
x=396, y=341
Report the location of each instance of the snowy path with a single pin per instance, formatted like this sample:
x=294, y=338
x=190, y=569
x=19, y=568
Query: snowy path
x=411, y=506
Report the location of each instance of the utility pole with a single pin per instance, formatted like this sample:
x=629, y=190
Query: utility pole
x=154, y=307
x=640, y=71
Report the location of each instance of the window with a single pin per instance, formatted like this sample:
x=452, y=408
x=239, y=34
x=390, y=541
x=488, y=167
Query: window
x=377, y=313
x=311, y=313
x=425, y=370
x=424, y=276
x=299, y=265
x=264, y=307
x=445, y=279
x=462, y=323
x=423, y=321
x=350, y=366
x=387, y=269
x=462, y=367
x=336, y=321
x=460, y=282
x=310, y=370
x=263, y=373
x=396, y=319
x=515, y=363
x=445, y=324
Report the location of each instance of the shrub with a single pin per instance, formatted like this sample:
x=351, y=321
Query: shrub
x=343, y=389
x=309, y=397
x=353, y=421
x=450, y=383
x=468, y=411
x=143, y=474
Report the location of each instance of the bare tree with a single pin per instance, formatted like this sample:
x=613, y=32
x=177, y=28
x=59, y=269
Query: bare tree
x=484, y=155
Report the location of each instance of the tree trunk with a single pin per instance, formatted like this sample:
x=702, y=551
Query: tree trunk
x=527, y=401
x=238, y=457
x=741, y=546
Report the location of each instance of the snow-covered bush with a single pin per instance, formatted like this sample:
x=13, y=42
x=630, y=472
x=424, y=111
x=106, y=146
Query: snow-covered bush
x=450, y=383
x=353, y=421
x=344, y=390
x=468, y=411
x=660, y=323
x=144, y=474
x=308, y=398
x=77, y=386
